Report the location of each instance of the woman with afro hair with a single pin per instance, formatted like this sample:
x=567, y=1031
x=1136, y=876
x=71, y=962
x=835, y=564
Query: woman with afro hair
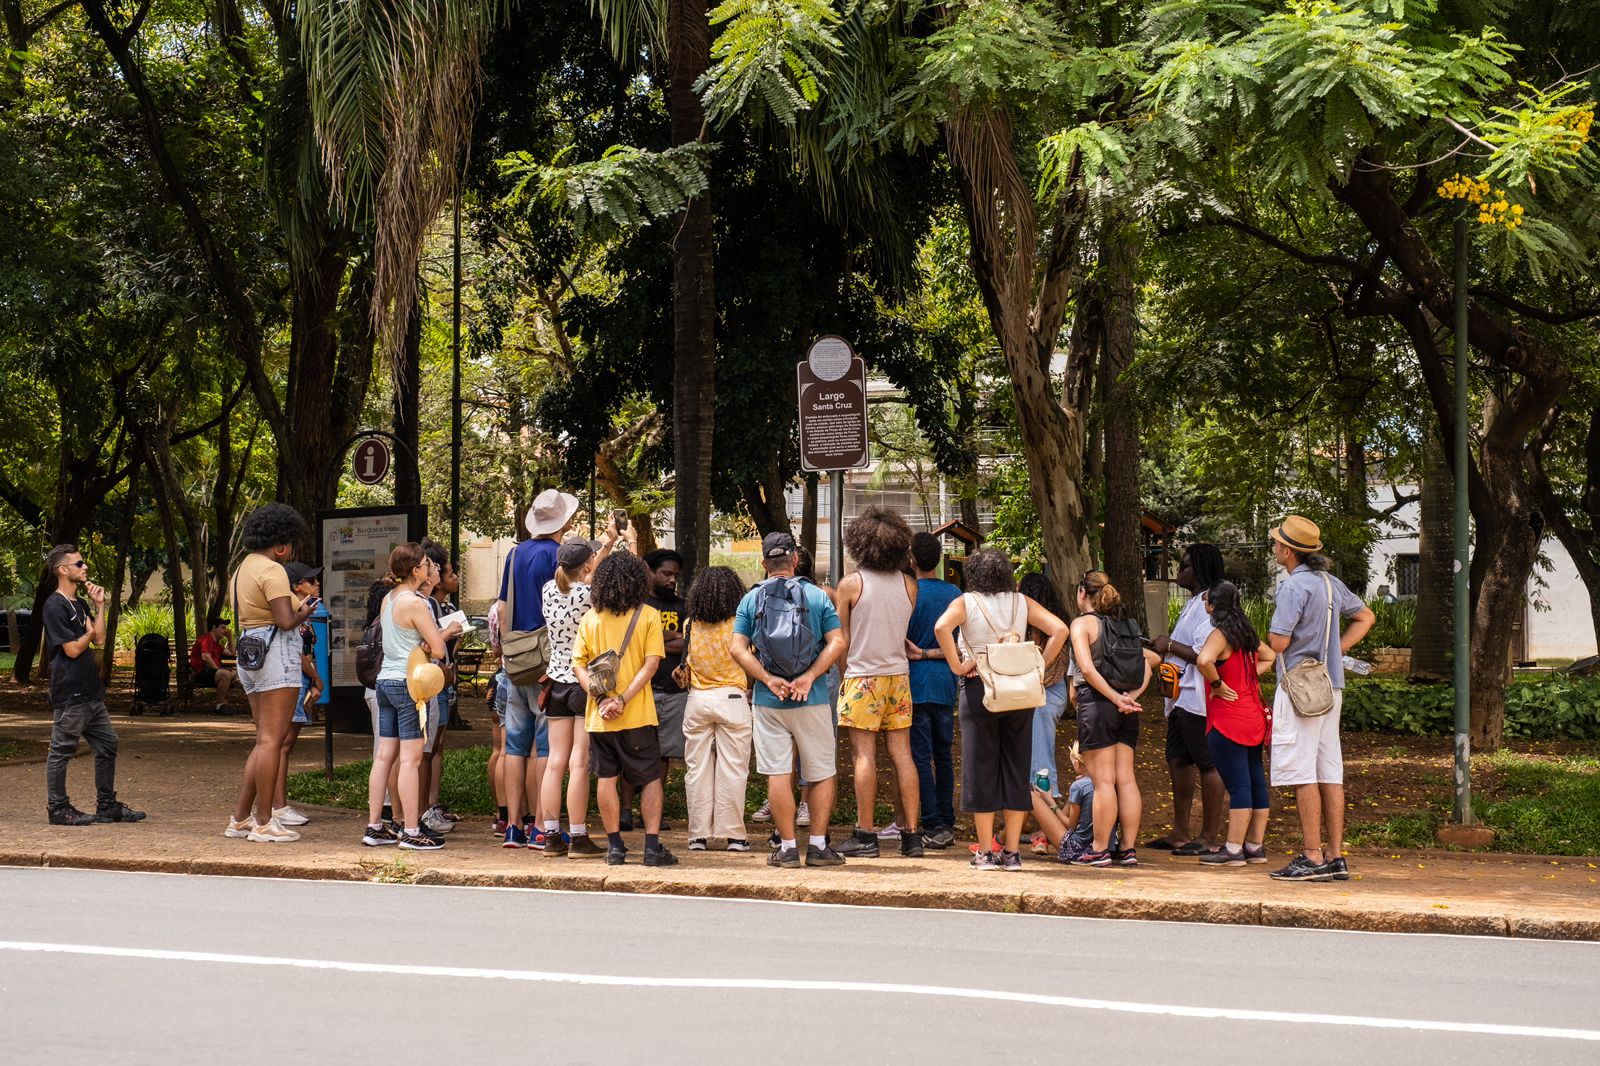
x=265, y=607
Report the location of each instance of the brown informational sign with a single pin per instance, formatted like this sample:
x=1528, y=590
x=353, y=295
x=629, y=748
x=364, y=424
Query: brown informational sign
x=833, y=408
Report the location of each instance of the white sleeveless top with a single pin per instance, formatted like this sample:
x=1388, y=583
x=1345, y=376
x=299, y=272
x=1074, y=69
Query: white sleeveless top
x=1008, y=611
x=878, y=624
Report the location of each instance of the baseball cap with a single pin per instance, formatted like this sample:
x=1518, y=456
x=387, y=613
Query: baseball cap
x=777, y=545
x=299, y=572
x=575, y=552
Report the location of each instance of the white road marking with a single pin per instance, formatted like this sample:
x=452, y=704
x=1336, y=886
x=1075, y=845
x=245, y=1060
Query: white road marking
x=777, y=985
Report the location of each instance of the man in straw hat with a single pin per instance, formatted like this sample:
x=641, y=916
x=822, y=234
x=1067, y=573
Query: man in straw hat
x=1305, y=751
x=530, y=564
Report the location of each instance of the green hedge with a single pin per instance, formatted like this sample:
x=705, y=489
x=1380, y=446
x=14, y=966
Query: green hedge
x=1558, y=708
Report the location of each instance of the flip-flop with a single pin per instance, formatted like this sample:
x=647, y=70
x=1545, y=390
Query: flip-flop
x=1192, y=848
x=1159, y=844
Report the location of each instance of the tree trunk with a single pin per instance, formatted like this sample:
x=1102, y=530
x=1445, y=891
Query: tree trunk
x=808, y=515
x=175, y=594
x=407, y=414
x=694, y=305
x=130, y=504
x=1433, y=642
x=1355, y=568
x=1119, y=414
x=1507, y=518
x=330, y=360
x=609, y=476
x=765, y=500
x=1025, y=307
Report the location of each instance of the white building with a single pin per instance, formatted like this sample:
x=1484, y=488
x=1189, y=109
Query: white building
x=1557, y=623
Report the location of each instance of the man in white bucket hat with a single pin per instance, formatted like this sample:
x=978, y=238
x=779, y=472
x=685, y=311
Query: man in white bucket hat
x=530, y=564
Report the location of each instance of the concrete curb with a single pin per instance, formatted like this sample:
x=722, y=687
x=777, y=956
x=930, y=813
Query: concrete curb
x=1377, y=918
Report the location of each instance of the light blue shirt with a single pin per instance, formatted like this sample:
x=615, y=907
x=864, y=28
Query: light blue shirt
x=824, y=620
x=1300, y=612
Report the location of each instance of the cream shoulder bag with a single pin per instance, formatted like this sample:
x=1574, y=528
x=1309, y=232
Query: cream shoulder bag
x=1012, y=669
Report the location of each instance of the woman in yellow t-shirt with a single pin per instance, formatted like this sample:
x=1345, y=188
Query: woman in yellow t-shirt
x=265, y=607
x=621, y=717
x=716, y=720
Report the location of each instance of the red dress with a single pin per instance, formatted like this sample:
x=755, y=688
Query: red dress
x=1246, y=719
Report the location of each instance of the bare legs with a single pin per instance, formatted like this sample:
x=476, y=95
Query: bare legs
x=273, y=711
x=1116, y=794
x=1319, y=804
x=819, y=798
x=1011, y=839
x=864, y=754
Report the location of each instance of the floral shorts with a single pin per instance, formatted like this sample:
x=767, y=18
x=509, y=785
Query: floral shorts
x=876, y=704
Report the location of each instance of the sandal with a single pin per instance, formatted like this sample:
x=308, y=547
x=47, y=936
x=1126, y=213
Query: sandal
x=1163, y=844
x=1191, y=849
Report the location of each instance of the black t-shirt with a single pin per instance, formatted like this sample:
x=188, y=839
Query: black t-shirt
x=671, y=609
x=71, y=680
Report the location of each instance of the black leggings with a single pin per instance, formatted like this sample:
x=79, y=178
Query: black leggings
x=1241, y=771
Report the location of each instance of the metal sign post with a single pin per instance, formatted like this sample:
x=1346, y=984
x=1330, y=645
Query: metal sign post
x=832, y=393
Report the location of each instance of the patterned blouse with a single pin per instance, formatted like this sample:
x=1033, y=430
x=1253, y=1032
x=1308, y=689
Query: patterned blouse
x=711, y=664
x=562, y=613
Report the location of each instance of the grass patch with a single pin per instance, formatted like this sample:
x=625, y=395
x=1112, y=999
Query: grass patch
x=1546, y=805
x=12, y=749
x=1536, y=804
x=8, y=660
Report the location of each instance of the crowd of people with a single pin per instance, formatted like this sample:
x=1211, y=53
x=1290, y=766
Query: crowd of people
x=608, y=674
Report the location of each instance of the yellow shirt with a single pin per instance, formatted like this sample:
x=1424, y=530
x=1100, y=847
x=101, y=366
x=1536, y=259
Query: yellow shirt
x=602, y=631
x=258, y=582
x=711, y=662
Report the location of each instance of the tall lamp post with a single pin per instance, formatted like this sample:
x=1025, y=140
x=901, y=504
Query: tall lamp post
x=455, y=399
x=1463, y=519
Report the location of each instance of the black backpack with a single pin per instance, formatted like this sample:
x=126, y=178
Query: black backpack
x=1119, y=653
x=369, y=655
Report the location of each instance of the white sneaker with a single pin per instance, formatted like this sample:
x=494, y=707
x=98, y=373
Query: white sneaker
x=287, y=815
x=802, y=814
x=763, y=813
x=434, y=819
x=240, y=830
x=272, y=833
x=889, y=832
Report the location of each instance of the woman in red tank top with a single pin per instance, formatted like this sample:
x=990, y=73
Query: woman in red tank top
x=1237, y=723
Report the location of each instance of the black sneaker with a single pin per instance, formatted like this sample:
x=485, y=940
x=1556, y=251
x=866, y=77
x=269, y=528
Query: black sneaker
x=117, y=812
x=1300, y=868
x=823, y=856
x=1336, y=869
x=616, y=856
x=377, y=836
x=1093, y=858
x=863, y=844
x=1222, y=857
x=1125, y=857
x=659, y=857
x=911, y=843
x=625, y=822
x=422, y=830
x=940, y=838
x=581, y=847
x=419, y=842
x=1255, y=853
x=774, y=840
x=555, y=843
x=70, y=815
x=788, y=858
x=1010, y=861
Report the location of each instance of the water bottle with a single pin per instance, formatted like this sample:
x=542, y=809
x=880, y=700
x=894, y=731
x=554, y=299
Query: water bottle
x=1041, y=779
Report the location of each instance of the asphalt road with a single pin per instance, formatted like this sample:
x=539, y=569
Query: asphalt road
x=125, y=968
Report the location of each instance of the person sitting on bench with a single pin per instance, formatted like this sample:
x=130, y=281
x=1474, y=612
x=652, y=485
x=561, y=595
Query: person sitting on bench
x=205, y=661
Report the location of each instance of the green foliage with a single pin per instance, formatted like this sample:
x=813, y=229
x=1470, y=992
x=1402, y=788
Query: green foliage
x=627, y=187
x=1558, y=708
x=145, y=618
x=768, y=58
x=1091, y=153
x=1393, y=627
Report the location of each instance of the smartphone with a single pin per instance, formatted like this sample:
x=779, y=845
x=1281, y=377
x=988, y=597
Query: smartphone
x=620, y=518
x=313, y=601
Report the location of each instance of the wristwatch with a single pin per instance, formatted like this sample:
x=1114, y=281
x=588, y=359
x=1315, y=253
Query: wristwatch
x=1216, y=683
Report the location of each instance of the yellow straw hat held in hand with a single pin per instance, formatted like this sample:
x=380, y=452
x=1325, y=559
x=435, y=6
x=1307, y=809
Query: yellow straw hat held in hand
x=424, y=681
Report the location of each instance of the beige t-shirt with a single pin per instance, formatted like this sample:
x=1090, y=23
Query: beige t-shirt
x=256, y=583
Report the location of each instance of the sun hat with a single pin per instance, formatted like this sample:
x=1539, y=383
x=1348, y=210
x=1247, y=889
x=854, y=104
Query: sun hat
x=424, y=679
x=551, y=512
x=1298, y=534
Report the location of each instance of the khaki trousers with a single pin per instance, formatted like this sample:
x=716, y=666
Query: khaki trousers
x=717, y=741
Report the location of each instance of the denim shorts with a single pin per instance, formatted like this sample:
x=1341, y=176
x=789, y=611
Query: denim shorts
x=397, y=712
x=282, y=666
x=527, y=731
x=302, y=716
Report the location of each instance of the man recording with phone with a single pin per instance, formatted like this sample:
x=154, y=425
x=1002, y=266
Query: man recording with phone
x=72, y=627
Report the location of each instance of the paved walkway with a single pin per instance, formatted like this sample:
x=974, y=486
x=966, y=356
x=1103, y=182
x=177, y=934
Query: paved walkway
x=184, y=771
